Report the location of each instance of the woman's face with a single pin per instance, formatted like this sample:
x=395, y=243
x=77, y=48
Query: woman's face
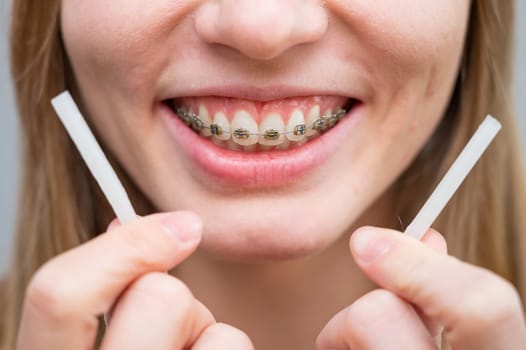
x=261, y=67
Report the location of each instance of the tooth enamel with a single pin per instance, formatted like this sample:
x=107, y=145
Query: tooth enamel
x=312, y=116
x=302, y=142
x=271, y=130
x=251, y=148
x=294, y=126
x=205, y=118
x=231, y=145
x=243, y=128
x=332, y=119
x=243, y=134
x=284, y=145
x=328, y=113
x=327, y=118
x=265, y=148
x=186, y=117
x=217, y=142
x=221, y=120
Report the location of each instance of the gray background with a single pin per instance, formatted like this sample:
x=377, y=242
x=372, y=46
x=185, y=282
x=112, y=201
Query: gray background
x=8, y=126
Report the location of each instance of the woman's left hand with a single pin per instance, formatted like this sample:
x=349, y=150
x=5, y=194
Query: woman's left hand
x=424, y=291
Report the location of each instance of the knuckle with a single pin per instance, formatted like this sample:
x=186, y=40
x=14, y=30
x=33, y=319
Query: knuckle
x=363, y=315
x=358, y=312
x=230, y=335
x=383, y=296
x=491, y=301
x=50, y=294
x=164, y=289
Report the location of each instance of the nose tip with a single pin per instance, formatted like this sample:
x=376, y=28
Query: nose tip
x=261, y=29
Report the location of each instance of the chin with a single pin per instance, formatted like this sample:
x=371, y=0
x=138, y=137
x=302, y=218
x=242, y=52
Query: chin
x=263, y=246
x=238, y=241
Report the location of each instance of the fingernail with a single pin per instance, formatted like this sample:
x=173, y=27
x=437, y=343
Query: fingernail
x=369, y=243
x=184, y=226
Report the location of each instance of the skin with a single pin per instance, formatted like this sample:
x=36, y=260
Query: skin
x=401, y=57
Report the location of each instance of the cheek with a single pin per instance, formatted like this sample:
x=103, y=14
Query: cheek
x=124, y=42
x=410, y=31
x=413, y=49
x=404, y=39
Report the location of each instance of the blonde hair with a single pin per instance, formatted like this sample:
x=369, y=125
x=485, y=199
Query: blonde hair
x=60, y=206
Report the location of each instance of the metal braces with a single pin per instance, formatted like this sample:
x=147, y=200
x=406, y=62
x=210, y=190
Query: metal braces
x=323, y=123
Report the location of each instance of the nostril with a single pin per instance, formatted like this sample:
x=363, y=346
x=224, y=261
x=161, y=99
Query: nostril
x=260, y=30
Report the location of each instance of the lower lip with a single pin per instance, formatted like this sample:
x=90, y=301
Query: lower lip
x=258, y=169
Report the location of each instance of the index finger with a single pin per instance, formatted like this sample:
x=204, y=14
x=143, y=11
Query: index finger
x=478, y=309
x=67, y=294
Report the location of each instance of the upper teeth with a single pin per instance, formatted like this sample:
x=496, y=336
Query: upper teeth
x=272, y=131
x=244, y=129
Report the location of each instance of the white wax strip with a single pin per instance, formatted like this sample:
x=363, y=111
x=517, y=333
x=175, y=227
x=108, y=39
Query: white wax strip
x=92, y=154
x=454, y=177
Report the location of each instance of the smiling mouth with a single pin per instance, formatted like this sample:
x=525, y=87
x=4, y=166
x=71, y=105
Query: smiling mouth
x=256, y=126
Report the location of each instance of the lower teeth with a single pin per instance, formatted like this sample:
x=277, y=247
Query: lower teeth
x=231, y=145
x=321, y=125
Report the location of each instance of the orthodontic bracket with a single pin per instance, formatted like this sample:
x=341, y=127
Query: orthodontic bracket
x=323, y=123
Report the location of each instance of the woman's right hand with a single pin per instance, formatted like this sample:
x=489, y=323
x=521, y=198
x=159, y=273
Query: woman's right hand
x=121, y=271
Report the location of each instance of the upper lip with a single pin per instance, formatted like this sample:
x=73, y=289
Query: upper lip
x=259, y=93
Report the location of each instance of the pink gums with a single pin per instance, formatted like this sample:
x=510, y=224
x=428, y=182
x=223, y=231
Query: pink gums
x=258, y=109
